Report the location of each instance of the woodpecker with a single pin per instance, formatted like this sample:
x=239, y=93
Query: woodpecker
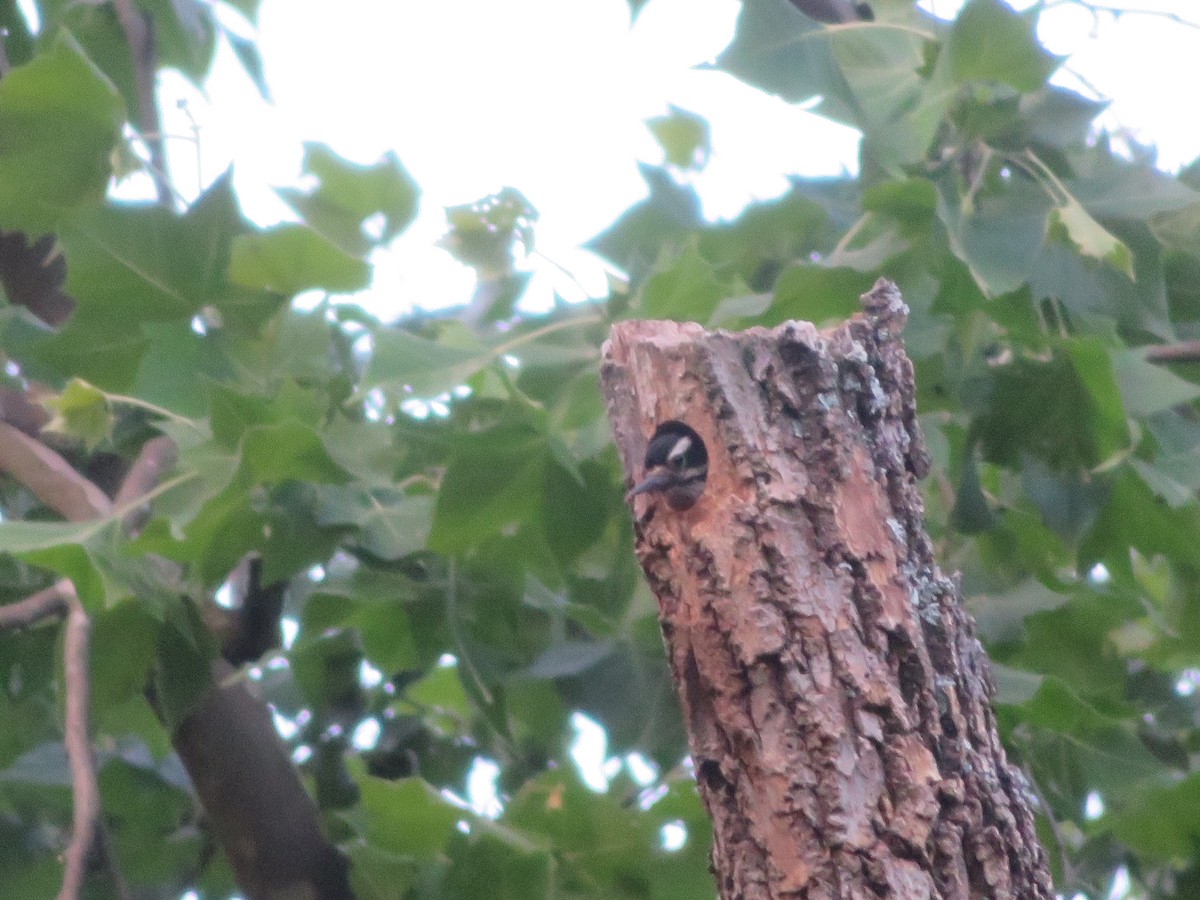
x=676, y=464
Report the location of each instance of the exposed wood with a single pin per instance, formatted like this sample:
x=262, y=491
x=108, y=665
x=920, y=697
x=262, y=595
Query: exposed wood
x=836, y=698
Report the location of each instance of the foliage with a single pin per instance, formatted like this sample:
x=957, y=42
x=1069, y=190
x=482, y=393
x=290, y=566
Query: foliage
x=441, y=499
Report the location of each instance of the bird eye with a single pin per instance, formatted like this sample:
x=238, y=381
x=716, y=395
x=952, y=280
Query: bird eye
x=676, y=462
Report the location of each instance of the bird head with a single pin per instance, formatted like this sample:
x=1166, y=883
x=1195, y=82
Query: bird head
x=676, y=465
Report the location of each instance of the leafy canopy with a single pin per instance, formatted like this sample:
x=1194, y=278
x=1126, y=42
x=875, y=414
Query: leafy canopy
x=442, y=502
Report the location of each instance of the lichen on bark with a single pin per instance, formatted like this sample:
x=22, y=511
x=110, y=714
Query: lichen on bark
x=836, y=697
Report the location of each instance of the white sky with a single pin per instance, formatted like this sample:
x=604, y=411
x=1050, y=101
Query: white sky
x=550, y=97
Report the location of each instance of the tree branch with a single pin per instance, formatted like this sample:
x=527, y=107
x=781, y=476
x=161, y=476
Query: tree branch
x=264, y=819
x=254, y=629
x=834, y=12
x=260, y=811
x=36, y=607
x=50, y=477
x=139, y=34
x=85, y=791
x=156, y=457
x=1184, y=351
x=257, y=807
x=1117, y=11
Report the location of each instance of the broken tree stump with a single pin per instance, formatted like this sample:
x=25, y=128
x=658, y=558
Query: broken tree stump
x=836, y=698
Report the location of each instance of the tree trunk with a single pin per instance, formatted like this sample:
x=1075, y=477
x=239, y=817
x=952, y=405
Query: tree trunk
x=836, y=698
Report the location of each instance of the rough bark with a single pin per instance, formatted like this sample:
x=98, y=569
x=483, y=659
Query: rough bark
x=835, y=694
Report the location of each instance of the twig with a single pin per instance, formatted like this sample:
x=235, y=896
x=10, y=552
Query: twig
x=1064, y=860
x=54, y=601
x=1184, y=351
x=50, y=477
x=830, y=11
x=1117, y=11
x=139, y=34
x=36, y=607
x=84, y=789
x=156, y=457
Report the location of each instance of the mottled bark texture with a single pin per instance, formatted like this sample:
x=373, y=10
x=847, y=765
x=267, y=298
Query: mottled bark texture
x=836, y=698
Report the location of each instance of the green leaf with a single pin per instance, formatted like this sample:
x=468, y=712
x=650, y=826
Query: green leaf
x=972, y=514
x=441, y=689
x=907, y=200
x=1097, y=751
x=185, y=35
x=402, y=360
x=1000, y=617
x=95, y=348
x=1089, y=237
x=289, y=259
x=492, y=486
x=349, y=194
x=487, y=234
x=122, y=653
x=499, y=864
x=386, y=630
x=61, y=547
x=286, y=450
x=1094, y=366
x=1134, y=517
x=684, y=138
x=1014, y=686
x=378, y=874
x=28, y=537
x=900, y=109
x=997, y=236
x=182, y=674
x=81, y=411
x=248, y=55
x=663, y=220
x=1112, y=188
x=784, y=52
x=768, y=236
x=178, y=368
x=1059, y=117
x=60, y=119
x=132, y=267
x=1100, y=295
x=406, y=817
x=326, y=669
x=817, y=294
x=737, y=313
x=1165, y=484
x=1065, y=411
x=1165, y=823
x=569, y=658
x=991, y=42
x=390, y=524
x=686, y=290
x=1147, y=388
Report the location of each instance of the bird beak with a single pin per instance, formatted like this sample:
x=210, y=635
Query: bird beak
x=657, y=482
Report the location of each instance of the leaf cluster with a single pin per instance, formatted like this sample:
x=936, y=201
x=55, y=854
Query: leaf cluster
x=439, y=505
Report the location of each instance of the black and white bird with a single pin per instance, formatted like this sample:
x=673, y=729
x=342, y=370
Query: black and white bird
x=676, y=465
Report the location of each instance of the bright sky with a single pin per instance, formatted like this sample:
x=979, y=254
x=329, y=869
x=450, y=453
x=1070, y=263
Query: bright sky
x=551, y=98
